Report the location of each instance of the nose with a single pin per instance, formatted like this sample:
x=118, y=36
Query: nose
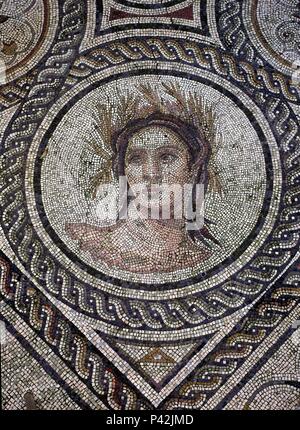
x=151, y=171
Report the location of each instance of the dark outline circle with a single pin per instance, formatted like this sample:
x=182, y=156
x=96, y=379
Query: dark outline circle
x=149, y=286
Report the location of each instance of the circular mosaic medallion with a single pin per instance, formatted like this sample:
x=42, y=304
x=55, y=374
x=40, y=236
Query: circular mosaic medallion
x=275, y=31
x=24, y=36
x=241, y=208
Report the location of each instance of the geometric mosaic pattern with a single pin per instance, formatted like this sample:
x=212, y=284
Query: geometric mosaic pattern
x=146, y=315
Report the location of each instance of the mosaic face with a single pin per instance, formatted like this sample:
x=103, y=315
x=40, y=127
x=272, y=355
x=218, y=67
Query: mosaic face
x=115, y=294
x=155, y=156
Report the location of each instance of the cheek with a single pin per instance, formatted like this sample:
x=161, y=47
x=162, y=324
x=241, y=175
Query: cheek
x=178, y=172
x=134, y=173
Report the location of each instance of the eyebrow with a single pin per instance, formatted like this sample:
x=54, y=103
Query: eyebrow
x=162, y=148
x=134, y=150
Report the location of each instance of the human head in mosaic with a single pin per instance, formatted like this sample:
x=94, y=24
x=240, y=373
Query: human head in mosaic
x=162, y=149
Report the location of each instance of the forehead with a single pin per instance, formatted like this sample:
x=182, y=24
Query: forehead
x=154, y=137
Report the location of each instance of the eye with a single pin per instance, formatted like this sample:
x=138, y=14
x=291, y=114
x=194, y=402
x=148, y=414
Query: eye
x=135, y=159
x=168, y=158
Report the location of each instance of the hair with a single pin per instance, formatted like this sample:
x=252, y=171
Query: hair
x=198, y=148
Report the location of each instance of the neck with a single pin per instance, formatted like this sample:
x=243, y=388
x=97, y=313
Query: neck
x=175, y=225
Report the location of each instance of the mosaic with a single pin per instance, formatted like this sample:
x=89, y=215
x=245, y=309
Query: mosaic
x=150, y=204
